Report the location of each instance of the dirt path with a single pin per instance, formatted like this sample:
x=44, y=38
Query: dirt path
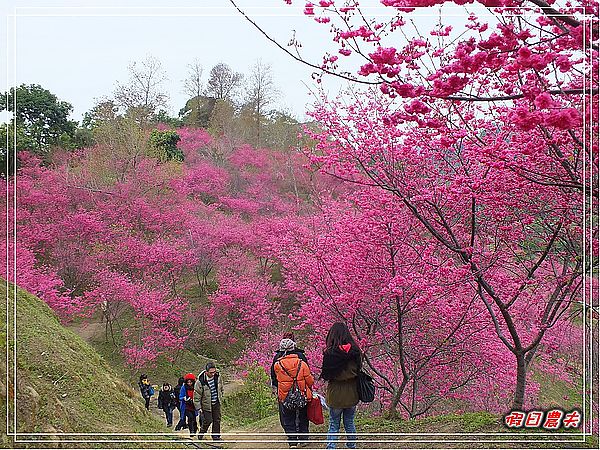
x=267, y=435
x=90, y=330
x=250, y=438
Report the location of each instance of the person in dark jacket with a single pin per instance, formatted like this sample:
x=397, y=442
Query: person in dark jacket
x=146, y=389
x=341, y=364
x=279, y=354
x=209, y=392
x=186, y=400
x=182, y=423
x=167, y=401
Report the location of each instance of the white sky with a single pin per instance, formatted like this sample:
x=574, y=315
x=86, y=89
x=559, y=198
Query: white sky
x=79, y=54
x=78, y=49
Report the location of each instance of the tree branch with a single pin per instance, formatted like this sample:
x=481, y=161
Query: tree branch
x=593, y=91
x=297, y=58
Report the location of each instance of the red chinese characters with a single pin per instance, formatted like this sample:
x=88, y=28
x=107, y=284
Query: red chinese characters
x=553, y=419
x=515, y=419
x=534, y=419
x=572, y=419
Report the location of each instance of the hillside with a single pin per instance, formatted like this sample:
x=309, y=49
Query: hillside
x=165, y=368
x=69, y=388
x=63, y=384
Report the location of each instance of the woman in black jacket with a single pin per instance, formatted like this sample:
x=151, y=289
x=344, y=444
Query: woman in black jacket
x=167, y=401
x=341, y=364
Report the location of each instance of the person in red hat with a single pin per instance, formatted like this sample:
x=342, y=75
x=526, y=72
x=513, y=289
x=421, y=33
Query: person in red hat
x=186, y=399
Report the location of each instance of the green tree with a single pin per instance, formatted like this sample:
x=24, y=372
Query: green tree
x=222, y=118
x=82, y=137
x=281, y=130
x=103, y=111
x=41, y=116
x=198, y=111
x=7, y=147
x=162, y=116
x=165, y=145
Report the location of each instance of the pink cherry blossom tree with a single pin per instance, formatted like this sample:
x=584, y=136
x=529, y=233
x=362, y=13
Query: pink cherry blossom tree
x=479, y=132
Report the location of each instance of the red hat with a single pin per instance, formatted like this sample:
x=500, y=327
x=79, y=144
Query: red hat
x=189, y=376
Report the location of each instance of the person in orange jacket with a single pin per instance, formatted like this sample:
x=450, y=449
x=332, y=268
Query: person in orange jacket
x=290, y=369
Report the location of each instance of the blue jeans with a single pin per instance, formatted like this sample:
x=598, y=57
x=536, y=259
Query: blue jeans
x=169, y=415
x=335, y=416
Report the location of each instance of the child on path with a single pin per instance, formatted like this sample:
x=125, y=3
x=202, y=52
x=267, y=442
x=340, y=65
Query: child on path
x=146, y=389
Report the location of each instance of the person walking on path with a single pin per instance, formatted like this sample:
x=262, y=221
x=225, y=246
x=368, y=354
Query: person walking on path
x=186, y=400
x=167, y=401
x=182, y=423
x=341, y=364
x=290, y=372
x=210, y=393
x=146, y=389
x=279, y=354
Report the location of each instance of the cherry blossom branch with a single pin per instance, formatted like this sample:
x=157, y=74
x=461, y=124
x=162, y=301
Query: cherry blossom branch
x=99, y=191
x=593, y=91
x=553, y=13
x=297, y=58
x=536, y=266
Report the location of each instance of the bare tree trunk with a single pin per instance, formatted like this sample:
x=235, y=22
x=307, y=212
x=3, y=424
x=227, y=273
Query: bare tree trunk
x=401, y=355
x=200, y=285
x=397, y=396
x=106, y=328
x=112, y=334
x=519, y=396
x=413, y=407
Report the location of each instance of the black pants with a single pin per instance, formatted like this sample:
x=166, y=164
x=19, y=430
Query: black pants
x=294, y=422
x=148, y=403
x=191, y=421
x=212, y=417
x=181, y=424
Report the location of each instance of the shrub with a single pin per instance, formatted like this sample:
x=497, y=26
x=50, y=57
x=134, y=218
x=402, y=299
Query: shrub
x=165, y=145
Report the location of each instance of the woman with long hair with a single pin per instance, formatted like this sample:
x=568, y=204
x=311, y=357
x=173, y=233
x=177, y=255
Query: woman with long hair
x=341, y=364
x=187, y=404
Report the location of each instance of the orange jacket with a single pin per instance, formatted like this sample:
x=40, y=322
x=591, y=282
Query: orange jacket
x=285, y=381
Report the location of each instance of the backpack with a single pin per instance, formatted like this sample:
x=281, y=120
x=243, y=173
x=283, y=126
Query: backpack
x=294, y=399
x=151, y=390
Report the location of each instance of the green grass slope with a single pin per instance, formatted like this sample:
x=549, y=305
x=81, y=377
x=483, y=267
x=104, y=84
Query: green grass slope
x=62, y=384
